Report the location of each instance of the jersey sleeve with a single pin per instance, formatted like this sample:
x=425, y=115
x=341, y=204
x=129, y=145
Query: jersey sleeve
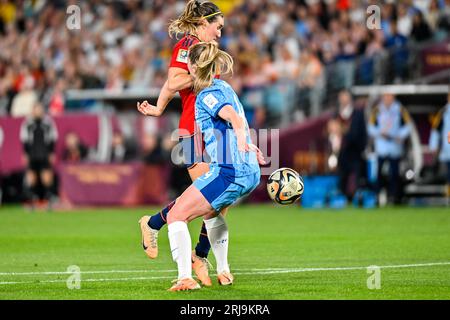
x=179, y=57
x=180, y=52
x=213, y=101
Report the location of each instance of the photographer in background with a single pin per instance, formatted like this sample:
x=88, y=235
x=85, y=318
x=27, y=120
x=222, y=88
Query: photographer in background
x=38, y=135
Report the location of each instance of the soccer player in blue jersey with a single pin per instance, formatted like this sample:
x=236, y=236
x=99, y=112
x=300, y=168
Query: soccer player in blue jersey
x=200, y=21
x=234, y=168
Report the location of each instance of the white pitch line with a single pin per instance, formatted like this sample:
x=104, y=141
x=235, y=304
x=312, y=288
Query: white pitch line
x=112, y=271
x=82, y=272
x=273, y=270
x=249, y=272
x=90, y=280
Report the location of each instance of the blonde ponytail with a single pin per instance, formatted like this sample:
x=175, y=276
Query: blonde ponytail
x=210, y=61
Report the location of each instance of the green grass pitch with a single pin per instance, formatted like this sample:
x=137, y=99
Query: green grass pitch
x=275, y=253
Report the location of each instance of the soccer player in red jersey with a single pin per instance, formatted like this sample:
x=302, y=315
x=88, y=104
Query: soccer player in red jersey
x=200, y=22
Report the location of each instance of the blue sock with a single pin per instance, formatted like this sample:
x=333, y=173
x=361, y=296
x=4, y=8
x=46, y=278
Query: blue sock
x=157, y=221
x=203, y=246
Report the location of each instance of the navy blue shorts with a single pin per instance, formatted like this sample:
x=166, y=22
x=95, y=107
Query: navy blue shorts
x=193, y=150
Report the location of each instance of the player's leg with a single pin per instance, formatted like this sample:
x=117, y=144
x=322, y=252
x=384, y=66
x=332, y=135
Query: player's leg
x=200, y=263
x=447, y=191
x=47, y=182
x=217, y=229
x=394, y=183
x=31, y=185
x=220, y=191
x=202, y=248
x=150, y=225
x=380, y=181
x=193, y=149
x=190, y=204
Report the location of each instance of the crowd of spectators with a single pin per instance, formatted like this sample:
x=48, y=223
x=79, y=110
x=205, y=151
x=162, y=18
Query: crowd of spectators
x=289, y=54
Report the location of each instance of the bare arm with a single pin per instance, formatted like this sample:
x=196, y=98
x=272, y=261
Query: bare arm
x=163, y=100
x=179, y=79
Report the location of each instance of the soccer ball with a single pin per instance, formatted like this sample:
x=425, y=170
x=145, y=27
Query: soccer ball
x=285, y=186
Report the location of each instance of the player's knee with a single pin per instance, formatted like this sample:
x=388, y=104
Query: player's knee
x=175, y=215
x=47, y=177
x=224, y=211
x=31, y=178
x=210, y=215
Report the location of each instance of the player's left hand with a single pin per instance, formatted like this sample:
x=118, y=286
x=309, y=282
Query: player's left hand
x=259, y=154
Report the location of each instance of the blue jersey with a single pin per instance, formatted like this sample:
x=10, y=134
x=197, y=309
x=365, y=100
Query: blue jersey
x=220, y=138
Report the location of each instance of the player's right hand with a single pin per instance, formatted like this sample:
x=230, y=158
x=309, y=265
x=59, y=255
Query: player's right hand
x=146, y=108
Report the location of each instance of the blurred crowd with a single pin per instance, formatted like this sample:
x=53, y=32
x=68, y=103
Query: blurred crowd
x=290, y=55
x=371, y=150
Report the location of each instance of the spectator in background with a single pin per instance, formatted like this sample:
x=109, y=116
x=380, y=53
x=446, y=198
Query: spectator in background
x=57, y=98
x=389, y=126
x=439, y=145
x=114, y=81
x=397, y=45
x=420, y=29
x=74, y=150
x=23, y=102
x=8, y=11
x=152, y=151
x=432, y=14
x=122, y=150
x=253, y=83
x=38, y=135
x=404, y=20
x=348, y=140
x=311, y=82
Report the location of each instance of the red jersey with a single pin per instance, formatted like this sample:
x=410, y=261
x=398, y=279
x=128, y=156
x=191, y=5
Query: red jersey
x=179, y=60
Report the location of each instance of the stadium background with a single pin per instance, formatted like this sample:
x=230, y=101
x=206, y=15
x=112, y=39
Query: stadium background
x=291, y=60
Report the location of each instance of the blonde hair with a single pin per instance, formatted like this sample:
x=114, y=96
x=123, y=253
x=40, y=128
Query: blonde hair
x=192, y=17
x=210, y=61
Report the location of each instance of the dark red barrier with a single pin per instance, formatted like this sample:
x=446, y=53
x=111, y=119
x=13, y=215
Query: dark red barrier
x=11, y=151
x=84, y=125
x=436, y=58
x=113, y=184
